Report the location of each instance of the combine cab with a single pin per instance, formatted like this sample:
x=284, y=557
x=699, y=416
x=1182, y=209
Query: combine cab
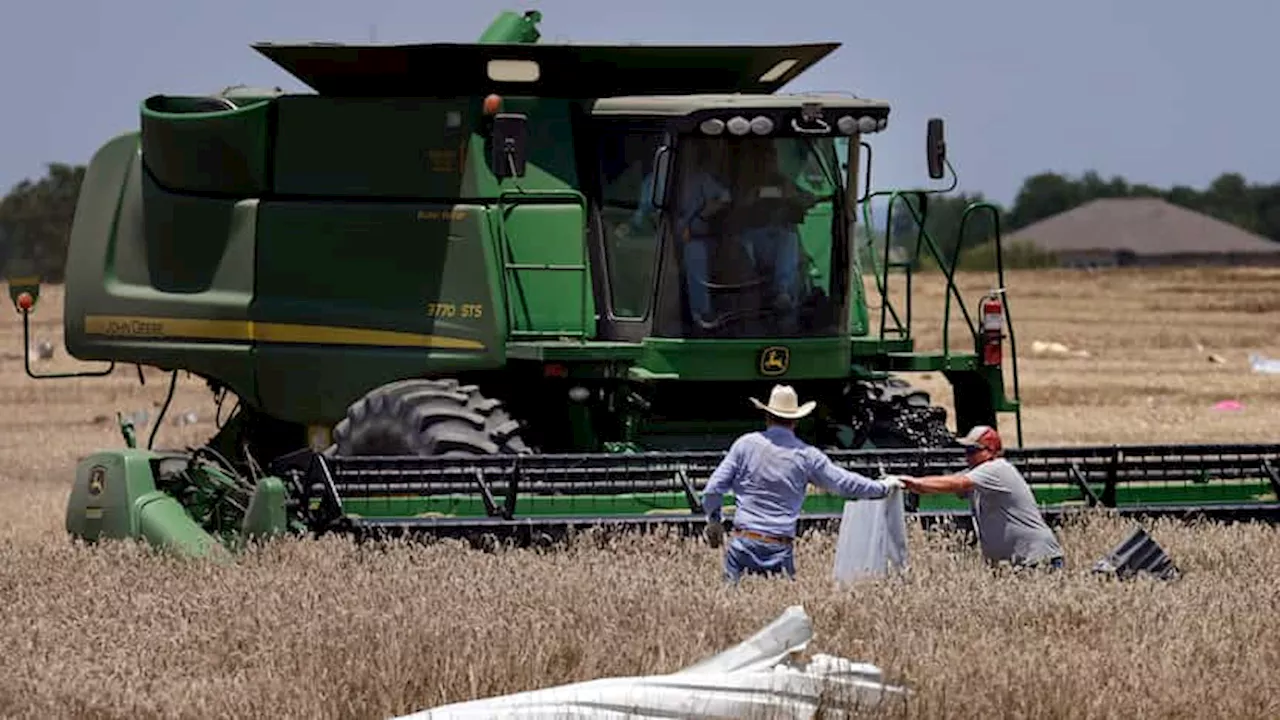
x=532, y=292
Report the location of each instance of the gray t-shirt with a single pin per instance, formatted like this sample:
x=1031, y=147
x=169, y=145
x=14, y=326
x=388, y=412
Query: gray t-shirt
x=1006, y=517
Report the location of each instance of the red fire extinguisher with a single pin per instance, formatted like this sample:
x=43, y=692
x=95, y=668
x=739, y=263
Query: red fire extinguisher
x=992, y=331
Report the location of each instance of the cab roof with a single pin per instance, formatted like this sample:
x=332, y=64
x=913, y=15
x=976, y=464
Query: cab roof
x=550, y=70
x=680, y=105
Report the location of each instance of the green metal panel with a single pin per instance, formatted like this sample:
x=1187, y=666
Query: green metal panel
x=186, y=237
x=353, y=295
x=111, y=309
x=677, y=503
x=808, y=358
x=548, y=283
x=192, y=146
x=266, y=515
x=511, y=27
x=552, y=150
x=375, y=147
x=115, y=497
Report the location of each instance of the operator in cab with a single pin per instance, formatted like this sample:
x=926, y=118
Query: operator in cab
x=1008, y=522
x=702, y=194
x=769, y=472
x=774, y=206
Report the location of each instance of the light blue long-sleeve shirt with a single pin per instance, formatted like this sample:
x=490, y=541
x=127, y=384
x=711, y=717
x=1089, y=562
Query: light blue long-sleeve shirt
x=697, y=189
x=769, y=472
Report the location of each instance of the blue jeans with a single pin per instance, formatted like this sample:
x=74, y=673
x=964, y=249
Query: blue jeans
x=755, y=557
x=695, y=275
x=776, y=248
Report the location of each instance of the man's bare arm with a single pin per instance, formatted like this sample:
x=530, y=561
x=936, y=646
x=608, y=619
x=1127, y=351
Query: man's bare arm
x=933, y=484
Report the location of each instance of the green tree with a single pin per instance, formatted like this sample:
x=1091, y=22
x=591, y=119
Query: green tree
x=35, y=221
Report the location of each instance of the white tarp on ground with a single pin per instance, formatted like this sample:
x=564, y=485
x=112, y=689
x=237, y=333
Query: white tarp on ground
x=873, y=538
x=758, y=678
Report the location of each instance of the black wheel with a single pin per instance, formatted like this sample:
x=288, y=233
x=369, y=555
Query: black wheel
x=892, y=414
x=427, y=417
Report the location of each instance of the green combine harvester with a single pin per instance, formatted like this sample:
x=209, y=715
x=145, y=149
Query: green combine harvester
x=489, y=302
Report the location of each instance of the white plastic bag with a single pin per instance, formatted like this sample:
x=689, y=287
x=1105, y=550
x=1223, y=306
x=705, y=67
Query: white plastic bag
x=873, y=538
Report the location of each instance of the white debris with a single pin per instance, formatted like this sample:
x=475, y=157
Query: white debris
x=1040, y=347
x=760, y=677
x=1266, y=365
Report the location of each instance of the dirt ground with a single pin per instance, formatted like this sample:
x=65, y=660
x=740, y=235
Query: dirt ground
x=323, y=629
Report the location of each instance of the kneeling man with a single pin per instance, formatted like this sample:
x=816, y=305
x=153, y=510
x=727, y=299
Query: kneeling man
x=1006, y=517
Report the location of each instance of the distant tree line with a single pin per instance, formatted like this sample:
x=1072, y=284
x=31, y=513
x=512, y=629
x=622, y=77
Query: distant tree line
x=35, y=215
x=35, y=223
x=1253, y=207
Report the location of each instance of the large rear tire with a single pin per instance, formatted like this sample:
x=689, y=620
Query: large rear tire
x=427, y=417
x=892, y=414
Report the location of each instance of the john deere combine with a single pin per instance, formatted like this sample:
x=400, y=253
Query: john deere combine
x=510, y=287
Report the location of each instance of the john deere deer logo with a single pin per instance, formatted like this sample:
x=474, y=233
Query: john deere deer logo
x=774, y=360
x=97, y=479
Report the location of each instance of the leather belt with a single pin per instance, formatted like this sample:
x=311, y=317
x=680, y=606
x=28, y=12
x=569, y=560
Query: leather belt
x=753, y=535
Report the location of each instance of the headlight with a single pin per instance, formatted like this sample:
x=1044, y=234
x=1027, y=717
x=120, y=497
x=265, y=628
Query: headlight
x=739, y=126
x=761, y=125
x=714, y=126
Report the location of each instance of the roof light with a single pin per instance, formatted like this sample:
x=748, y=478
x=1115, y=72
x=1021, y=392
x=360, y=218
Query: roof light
x=867, y=124
x=778, y=70
x=882, y=123
x=714, y=126
x=739, y=125
x=761, y=125
x=847, y=125
x=514, y=71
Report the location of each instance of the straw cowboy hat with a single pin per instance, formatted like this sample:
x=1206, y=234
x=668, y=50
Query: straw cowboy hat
x=784, y=404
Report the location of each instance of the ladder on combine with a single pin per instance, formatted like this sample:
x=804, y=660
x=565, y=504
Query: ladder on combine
x=538, y=285
x=898, y=326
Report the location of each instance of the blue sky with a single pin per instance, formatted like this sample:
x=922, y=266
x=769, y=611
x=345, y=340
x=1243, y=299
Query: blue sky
x=1160, y=91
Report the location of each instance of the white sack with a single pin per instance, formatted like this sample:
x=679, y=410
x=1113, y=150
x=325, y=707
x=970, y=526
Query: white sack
x=873, y=538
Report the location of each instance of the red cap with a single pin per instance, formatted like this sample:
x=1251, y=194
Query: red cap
x=25, y=301
x=983, y=436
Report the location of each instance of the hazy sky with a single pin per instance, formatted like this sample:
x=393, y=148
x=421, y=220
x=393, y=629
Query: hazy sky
x=1160, y=91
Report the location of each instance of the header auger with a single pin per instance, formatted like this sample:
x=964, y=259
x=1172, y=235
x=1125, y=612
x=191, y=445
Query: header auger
x=474, y=302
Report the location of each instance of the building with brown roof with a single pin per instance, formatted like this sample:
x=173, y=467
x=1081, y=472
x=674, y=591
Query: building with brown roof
x=1144, y=231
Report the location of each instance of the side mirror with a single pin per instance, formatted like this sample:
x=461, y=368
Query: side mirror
x=937, y=149
x=661, y=171
x=509, y=147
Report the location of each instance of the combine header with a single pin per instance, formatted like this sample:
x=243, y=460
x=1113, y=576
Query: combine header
x=531, y=291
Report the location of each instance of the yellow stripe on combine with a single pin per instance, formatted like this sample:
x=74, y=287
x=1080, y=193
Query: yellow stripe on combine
x=246, y=331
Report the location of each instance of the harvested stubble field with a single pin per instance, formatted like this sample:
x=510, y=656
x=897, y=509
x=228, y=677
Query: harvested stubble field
x=324, y=629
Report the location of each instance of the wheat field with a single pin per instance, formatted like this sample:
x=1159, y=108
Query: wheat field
x=319, y=629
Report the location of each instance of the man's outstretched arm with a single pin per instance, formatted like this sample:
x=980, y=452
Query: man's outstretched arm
x=834, y=478
x=934, y=484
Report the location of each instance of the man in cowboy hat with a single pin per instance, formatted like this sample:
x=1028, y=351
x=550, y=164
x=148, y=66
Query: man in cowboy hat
x=1006, y=517
x=769, y=472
